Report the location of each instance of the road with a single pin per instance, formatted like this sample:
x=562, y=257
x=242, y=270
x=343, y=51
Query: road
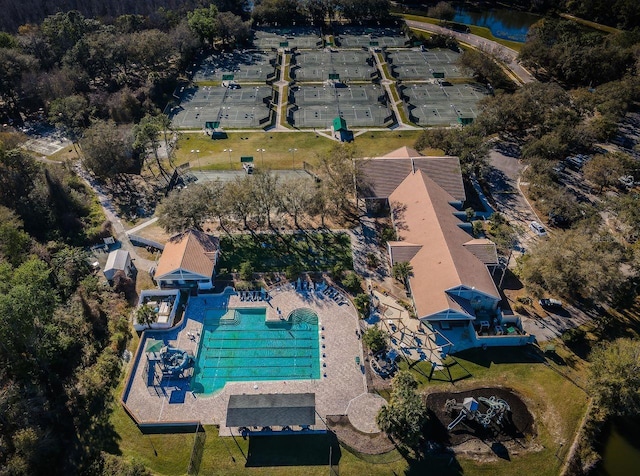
x=503, y=182
x=504, y=53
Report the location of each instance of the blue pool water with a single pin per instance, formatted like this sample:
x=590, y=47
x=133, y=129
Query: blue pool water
x=238, y=345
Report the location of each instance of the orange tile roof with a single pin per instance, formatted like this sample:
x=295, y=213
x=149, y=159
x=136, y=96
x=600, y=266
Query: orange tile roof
x=192, y=251
x=404, y=153
x=422, y=215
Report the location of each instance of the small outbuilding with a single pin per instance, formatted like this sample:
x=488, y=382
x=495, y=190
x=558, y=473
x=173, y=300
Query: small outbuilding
x=118, y=260
x=339, y=130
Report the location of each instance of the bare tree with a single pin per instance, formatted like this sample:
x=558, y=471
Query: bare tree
x=266, y=193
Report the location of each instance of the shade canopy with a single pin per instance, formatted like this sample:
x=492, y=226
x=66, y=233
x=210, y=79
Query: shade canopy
x=281, y=409
x=154, y=345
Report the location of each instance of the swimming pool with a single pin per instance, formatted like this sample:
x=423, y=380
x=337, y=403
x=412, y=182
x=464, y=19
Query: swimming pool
x=238, y=345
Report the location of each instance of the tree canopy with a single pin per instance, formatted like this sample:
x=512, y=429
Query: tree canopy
x=405, y=416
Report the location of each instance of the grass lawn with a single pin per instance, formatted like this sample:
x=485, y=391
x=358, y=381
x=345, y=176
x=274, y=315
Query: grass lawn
x=556, y=403
x=272, y=252
x=277, y=144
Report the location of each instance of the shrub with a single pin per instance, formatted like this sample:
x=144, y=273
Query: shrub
x=352, y=282
x=363, y=304
x=246, y=271
x=338, y=271
x=291, y=272
x=375, y=339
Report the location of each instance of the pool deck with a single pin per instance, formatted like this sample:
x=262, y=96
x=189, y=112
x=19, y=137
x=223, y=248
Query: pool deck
x=171, y=400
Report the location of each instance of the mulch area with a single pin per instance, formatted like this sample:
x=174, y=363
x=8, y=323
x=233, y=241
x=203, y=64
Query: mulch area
x=518, y=425
x=368, y=443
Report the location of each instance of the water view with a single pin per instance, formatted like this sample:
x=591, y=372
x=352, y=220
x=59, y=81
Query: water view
x=506, y=24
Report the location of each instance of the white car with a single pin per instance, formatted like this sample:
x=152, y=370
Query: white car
x=537, y=228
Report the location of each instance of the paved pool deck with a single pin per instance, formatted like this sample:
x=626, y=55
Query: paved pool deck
x=342, y=379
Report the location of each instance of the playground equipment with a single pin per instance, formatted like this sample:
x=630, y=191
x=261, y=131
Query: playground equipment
x=470, y=409
x=175, y=361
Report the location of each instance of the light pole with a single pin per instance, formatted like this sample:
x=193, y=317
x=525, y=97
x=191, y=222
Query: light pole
x=197, y=151
x=262, y=151
x=229, y=152
x=293, y=157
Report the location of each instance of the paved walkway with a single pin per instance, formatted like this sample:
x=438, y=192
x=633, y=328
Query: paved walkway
x=344, y=380
x=362, y=412
x=141, y=226
x=503, y=53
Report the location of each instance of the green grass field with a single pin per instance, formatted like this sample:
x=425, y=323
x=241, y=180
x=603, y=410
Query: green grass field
x=277, y=147
x=556, y=403
x=271, y=252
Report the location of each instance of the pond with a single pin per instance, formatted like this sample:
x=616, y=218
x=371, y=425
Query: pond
x=505, y=24
x=620, y=457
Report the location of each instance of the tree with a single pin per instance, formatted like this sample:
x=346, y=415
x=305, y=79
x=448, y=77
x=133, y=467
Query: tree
x=239, y=199
x=276, y=12
x=352, y=282
x=296, y=197
x=375, y=339
x=14, y=242
x=486, y=69
x=147, y=133
x=203, y=23
x=579, y=263
x=362, y=303
x=405, y=416
x=469, y=144
x=63, y=30
x=402, y=271
x=316, y=10
x=187, y=208
x=246, y=271
x=604, y=170
x=338, y=173
x=13, y=65
x=71, y=115
x=231, y=28
x=501, y=233
x=267, y=192
x=146, y=315
x=442, y=11
x=614, y=378
x=108, y=149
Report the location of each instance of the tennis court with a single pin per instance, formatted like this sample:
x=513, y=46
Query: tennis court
x=233, y=108
x=433, y=104
x=360, y=106
x=318, y=65
x=357, y=37
x=303, y=38
x=255, y=66
x=420, y=65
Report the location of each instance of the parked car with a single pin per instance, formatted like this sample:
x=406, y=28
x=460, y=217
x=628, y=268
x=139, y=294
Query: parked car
x=537, y=228
x=547, y=302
